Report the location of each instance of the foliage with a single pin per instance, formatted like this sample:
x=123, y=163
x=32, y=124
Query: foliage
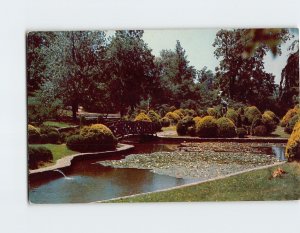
x=212, y=112
x=269, y=120
x=184, y=124
x=37, y=155
x=34, y=135
x=260, y=130
x=96, y=137
x=291, y=124
x=173, y=117
x=288, y=116
x=241, y=132
x=142, y=117
x=180, y=113
x=292, y=150
x=155, y=118
x=232, y=115
x=251, y=113
x=226, y=128
x=207, y=127
x=196, y=119
x=49, y=134
x=165, y=122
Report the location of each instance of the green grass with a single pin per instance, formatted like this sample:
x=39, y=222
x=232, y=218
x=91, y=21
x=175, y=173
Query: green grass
x=254, y=186
x=279, y=132
x=56, y=124
x=58, y=151
x=169, y=128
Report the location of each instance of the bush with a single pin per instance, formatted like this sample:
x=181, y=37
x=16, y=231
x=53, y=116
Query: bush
x=212, y=112
x=65, y=134
x=173, y=117
x=272, y=115
x=49, y=134
x=37, y=155
x=172, y=109
x=184, y=124
x=34, y=135
x=180, y=113
x=292, y=150
x=226, y=128
x=241, y=132
x=269, y=121
x=155, y=118
x=207, y=127
x=251, y=113
x=190, y=112
x=260, y=130
x=196, y=119
x=165, y=122
x=288, y=116
x=191, y=131
x=291, y=124
x=232, y=115
x=96, y=137
x=142, y=117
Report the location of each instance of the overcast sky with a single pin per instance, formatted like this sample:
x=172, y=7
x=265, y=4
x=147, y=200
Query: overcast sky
x=199, y=50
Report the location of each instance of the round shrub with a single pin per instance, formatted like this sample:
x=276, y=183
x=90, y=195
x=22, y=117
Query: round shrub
x=272, y=115
x=251, y=113
x=260, y=130
x=165, y=122
x=292, y=150
x=212, y=112
x=291, y=124
x=288, y=116
x=226, y=128
x=232, y=115
x=96, y=137
x=207, y=127
x=37, y=155
x=180, y=113
x=241, y=132
x=142, y=117
x=155, y=118
x=34, y=135
x=191, y=131
x=183, y=125
x=190, y=112
x=269, y=122
x=172, y=109
x=173, y=117
x=196, y=119
x=49, y=134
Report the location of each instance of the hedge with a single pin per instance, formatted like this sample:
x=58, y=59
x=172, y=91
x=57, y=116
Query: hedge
x=37, y=155
x=292, y=150
x=207, y=127
x=226, y=128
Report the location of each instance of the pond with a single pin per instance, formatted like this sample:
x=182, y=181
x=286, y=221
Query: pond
x=89, y=181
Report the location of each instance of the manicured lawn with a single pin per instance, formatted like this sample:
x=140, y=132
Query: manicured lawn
x=279, y=132
x=170, y=128
x=58, y=150
x=56, y=124
x=255, y=185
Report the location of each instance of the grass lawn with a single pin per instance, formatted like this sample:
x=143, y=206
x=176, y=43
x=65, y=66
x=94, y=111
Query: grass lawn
x=279, y=132
x=254, y=186
x=170, y=128
x=56, y=124
x=58, y=151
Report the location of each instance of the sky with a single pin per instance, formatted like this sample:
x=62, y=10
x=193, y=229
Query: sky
x=199, y=50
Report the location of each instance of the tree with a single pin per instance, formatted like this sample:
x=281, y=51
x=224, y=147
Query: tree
x=289, y=83
x=74, y=65
x=132, y=70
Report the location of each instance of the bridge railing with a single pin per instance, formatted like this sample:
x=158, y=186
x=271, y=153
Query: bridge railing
x=123, y=128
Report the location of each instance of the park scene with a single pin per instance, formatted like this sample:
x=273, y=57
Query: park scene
x=163, y=115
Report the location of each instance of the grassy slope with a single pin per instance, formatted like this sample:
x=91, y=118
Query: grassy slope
x=279, y=132
x=56, y=124
x=254, y=185
x=58, y=150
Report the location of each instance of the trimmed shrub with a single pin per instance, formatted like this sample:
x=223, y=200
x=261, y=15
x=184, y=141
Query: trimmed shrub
x=232, y=115
x=226, y=128
x=291, y=124
x=191, y=131
x=272, y=115
x=172, y=109
x=269, y=122
x=260, y=130
x=49, y=134
x=165, y=122
x=65, y=134
x=180, y=113
x=207, y=127
x=96, y=137
x=155, y=118
x=34, y=135
x=288, y=116
x=292, y=150
x=142, y=117
x=37, y=155
x=196, y=119
x=251, y=113
x=241, y=132
x=184, y=124
x=173, y=117
x=190, y=112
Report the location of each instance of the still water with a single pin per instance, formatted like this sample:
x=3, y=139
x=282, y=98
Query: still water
x=89, y=181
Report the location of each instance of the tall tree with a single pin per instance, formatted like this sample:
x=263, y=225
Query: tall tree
x=132, y=69
x=74, y=66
